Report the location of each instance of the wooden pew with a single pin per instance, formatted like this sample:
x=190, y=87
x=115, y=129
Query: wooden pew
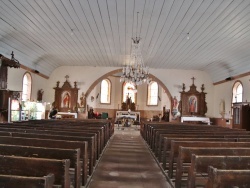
x=200, y=164
x=94, y=146
x=97, y=132
x=220, y=178
x=185, y=155
x=208, y=130
x=168, y=140
x=51, y=153
x=53, y=144
x=220, y=134
x=25, y=181
x=176, y=144
x=26, y=166
x=66, y=130
x=39, y=134
x=105, y=125
x=155, y=130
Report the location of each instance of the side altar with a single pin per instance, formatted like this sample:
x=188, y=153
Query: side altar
x=193, y=106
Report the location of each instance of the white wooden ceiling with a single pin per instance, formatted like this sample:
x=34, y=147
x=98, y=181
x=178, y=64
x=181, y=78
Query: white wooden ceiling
x=46, y=34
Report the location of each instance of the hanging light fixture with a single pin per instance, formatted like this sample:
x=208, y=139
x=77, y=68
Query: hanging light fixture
x=135, y=73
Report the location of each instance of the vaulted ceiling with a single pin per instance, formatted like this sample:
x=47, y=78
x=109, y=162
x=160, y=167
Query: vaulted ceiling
x=46, y=34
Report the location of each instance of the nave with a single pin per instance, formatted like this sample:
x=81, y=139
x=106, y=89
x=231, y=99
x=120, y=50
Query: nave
x=127, y=162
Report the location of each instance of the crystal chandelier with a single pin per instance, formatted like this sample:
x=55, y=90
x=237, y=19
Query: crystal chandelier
x=135, y=73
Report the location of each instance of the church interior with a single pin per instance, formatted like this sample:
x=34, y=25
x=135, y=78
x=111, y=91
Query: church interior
x=128, y=93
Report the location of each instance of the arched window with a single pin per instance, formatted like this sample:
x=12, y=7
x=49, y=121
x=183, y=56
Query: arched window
x=153, y=93
x=129, y=91
x=26, y=87
x=237, y=92
x=105, y=91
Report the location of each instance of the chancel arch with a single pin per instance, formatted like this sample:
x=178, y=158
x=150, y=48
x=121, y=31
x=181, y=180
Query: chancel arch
x=117, y=100
x=160, y=83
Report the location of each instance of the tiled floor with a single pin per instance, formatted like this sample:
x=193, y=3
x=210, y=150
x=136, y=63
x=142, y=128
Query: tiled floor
x=127, y=163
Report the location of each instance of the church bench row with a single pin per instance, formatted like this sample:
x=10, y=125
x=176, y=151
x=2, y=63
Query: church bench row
x=153, y=131
x=42, y=131
x=58, y=135
x=156, y=132
x=50, y=143
x=220, y=134
x=97, y=133
x=168, y=141
x=95, y=148
x=185, y=156
x=159, y=147
x=46, y=181
x=177, y=130
x=220, y=178
x=176, y=144
x=200, y=164
x=233, y=139
x=26, y=166
x=50, y=153
x=107, y=125
x=205, y=137
x=147, y=128
x=159, y=135
x=179, y=133
x=100, y=128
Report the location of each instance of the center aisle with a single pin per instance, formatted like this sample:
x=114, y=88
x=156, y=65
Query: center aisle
x=127, y=163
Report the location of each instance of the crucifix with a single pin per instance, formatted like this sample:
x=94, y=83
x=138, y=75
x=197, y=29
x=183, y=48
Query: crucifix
x=67, y=76
x=193, y=80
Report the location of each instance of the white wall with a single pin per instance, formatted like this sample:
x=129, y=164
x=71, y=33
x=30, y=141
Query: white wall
x=15, y=79
x=172, y=79
x=85, y=76
x=224, y=92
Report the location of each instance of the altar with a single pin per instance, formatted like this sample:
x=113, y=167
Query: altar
x=65, y=115
x=195, y=118
x=127, y=115
x=127, y=118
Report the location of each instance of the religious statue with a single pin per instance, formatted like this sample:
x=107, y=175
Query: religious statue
x=128, y=104
x=82, y=100
x=175, y=111
x=40, y=95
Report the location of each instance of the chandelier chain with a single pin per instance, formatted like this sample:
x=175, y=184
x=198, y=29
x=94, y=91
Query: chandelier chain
x=135, y=73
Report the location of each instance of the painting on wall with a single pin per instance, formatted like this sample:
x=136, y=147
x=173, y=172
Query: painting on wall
x=65, y=103
x=192, y=104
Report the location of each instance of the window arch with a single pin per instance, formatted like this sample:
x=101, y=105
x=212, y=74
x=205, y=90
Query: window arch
x=237, y=92
x=129, y=90
x=105, y=91
x=26, y=87
x=153, y=90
